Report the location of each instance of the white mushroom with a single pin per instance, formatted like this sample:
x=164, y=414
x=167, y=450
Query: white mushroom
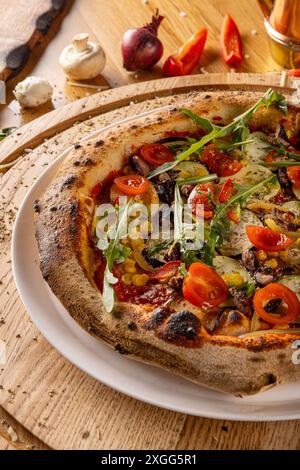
x=33, y=91
x=83, y=59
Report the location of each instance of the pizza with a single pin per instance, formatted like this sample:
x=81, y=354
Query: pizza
x=213, y=298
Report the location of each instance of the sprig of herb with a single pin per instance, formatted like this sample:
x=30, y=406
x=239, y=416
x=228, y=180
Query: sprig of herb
x=207, y=125
x=283, y=151
x=220, y=224
x=112, y=254
x=197, y=179
x=281, y=163
x=157, y=248
x=237, y=125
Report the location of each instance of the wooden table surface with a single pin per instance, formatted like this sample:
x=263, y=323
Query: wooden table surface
x=106, y=21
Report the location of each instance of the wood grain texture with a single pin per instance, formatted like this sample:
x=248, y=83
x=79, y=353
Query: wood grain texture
x=61, y=405
x=106, y=21
x=31, y=135
x=15, y=436
x=24, y=24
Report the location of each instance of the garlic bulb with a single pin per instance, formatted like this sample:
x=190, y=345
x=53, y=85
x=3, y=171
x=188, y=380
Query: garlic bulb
x=33, y=91
x=83, y=59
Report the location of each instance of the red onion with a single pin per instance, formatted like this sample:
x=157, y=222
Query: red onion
x=141, y=48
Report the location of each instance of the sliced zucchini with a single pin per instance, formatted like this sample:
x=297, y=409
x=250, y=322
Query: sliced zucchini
x=257, y=151
x=226, y=265
x=294, y=207
x=296, y=192
x=292, y=282
x=190, y=169
x=238, y=241
x=292, y=256
x=253, y=174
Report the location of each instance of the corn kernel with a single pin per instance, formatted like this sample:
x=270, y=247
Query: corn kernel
x=297, y=241
x=140, y=279
x=273, y=254
x=261, y=255
x=272, y=263
x=130, y=269
x=129, y=261
x=284, y=255
x=233, y=280
x=271, y=224
x=127, y=279
x=127, y=170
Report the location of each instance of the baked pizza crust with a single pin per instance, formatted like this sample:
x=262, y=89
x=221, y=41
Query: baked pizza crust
x=175, y=341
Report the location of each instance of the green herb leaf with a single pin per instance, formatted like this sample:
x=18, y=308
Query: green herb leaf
x=281, y=163
x=237, y=125
x=157, y=248
x=283, y=151
x=113, y=253
x=207, y=125
x=220, y=224
x=197, y=179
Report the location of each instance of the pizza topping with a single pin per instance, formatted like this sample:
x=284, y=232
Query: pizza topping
x=219, y=162
x=139, y=165
x=281, y=313
x=203, y=287
x=201, y=200
x=165, y=188
x=293, y=173
x=166, y=272
x=227, y=191
x=237, y=215
x=157, y=154
x=132, y=184
x=265, y=239
x=264, y=275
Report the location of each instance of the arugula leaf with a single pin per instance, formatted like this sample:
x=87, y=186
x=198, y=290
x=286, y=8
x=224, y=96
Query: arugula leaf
x=276, y=98
x=280, y=163
x=197, y=179
x=231, y=145
x=238, y=124
x=283, y=151
x=199, y=120
x=157, y=248
x=113, y=253
x=220, y=224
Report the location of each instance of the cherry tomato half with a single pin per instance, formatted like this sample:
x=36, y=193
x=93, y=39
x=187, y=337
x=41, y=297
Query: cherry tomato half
x=293, y=173
x=219, y=162
x=203, y=287
x=132, y=184
x=201, y=196
x=286, y=313
x=227, y=191
x=157, y=154
x=233, y=215
x=266, y=239
x=229, y=166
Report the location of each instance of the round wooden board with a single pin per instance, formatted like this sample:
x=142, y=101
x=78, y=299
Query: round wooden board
x=43, y=393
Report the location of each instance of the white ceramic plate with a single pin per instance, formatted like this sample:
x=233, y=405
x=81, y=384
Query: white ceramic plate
x=140, y=381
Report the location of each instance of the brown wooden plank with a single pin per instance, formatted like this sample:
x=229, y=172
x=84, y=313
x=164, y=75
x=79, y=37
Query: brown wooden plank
x=14, y=436
x=33, y=133
x=106, y=22
x=24, y=24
